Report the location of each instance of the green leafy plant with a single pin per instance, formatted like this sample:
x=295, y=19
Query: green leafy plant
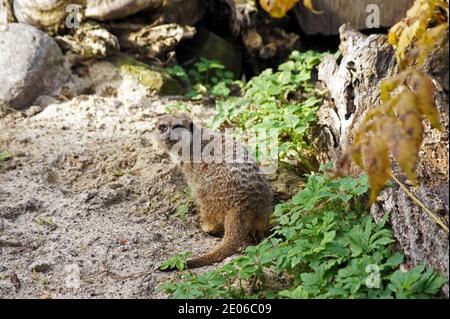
x=205, y=77
x=118, y=173
x=185, y=203
x=417, y=283
x=177, y=107
x=267, y=103
x=45, y=221
x=324, y=245
x=4, y=156
x=176, y=262
x=182, y=210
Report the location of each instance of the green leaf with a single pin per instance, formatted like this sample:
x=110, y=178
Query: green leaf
x=298, y=293
x=178, y=262
x=395, y=260
x=291, y=121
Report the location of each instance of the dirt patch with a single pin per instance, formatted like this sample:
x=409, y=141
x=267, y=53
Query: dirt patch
x=87, y=193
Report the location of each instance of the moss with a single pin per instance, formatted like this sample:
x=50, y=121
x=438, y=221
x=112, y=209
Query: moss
x=156, y=79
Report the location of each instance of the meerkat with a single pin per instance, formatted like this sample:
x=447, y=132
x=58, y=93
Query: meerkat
x=233, y=198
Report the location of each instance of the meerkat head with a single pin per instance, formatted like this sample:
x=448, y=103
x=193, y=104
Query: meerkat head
x=171, y=129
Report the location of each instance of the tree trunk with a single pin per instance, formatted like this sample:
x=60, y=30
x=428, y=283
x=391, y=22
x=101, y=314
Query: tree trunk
x=353, y=86
x=337, y=12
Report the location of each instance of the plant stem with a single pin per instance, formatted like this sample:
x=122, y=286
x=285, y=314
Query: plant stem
x=418, y=202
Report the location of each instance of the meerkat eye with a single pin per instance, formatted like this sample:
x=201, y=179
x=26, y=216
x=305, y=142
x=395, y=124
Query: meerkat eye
x=162, y=128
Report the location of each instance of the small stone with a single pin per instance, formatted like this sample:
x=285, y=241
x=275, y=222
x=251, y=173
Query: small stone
x=89, y=194
x=33, y=110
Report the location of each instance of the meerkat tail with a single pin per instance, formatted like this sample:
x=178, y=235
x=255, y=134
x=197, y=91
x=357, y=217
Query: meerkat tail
x=233, y=238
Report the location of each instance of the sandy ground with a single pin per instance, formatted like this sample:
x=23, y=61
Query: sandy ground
x=86, y=200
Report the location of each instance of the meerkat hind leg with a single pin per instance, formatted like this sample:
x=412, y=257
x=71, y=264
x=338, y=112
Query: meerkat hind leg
x=211, y=221
x=213, y=229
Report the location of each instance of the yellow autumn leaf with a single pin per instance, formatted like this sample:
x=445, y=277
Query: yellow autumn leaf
x=422, y=85
x=415, y=31
x=395, y=33
x=396, y=126
x=375, y=159
x=357, y=156
x=405, y=134
x=407, y=38
x=401, y=146
x=278, y=8
x=411, y=118
x=366, y=127
x=308, y=4
x=428, y=41
x=390, y=84
x=373, y=114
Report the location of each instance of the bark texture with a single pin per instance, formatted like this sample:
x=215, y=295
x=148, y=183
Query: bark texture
x=353, y=83
x=337, y=12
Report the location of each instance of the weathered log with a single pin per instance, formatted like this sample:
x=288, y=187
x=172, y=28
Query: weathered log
x=183, y=12
x=154, y=41
x=90, y=40
x=337, y=12
x=263, y=37
x=420, y=237
x=243, y=14
x=353, y=85
x=114, y=9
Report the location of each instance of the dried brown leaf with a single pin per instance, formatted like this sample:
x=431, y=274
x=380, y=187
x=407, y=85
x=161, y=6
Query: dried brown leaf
x=421, y=84
x=376, y=163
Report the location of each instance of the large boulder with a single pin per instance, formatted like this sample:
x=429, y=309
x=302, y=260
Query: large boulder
x=31, y=65
x=53, y=15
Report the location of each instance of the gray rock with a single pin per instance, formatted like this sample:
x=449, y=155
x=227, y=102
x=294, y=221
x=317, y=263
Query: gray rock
x=31, y=65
